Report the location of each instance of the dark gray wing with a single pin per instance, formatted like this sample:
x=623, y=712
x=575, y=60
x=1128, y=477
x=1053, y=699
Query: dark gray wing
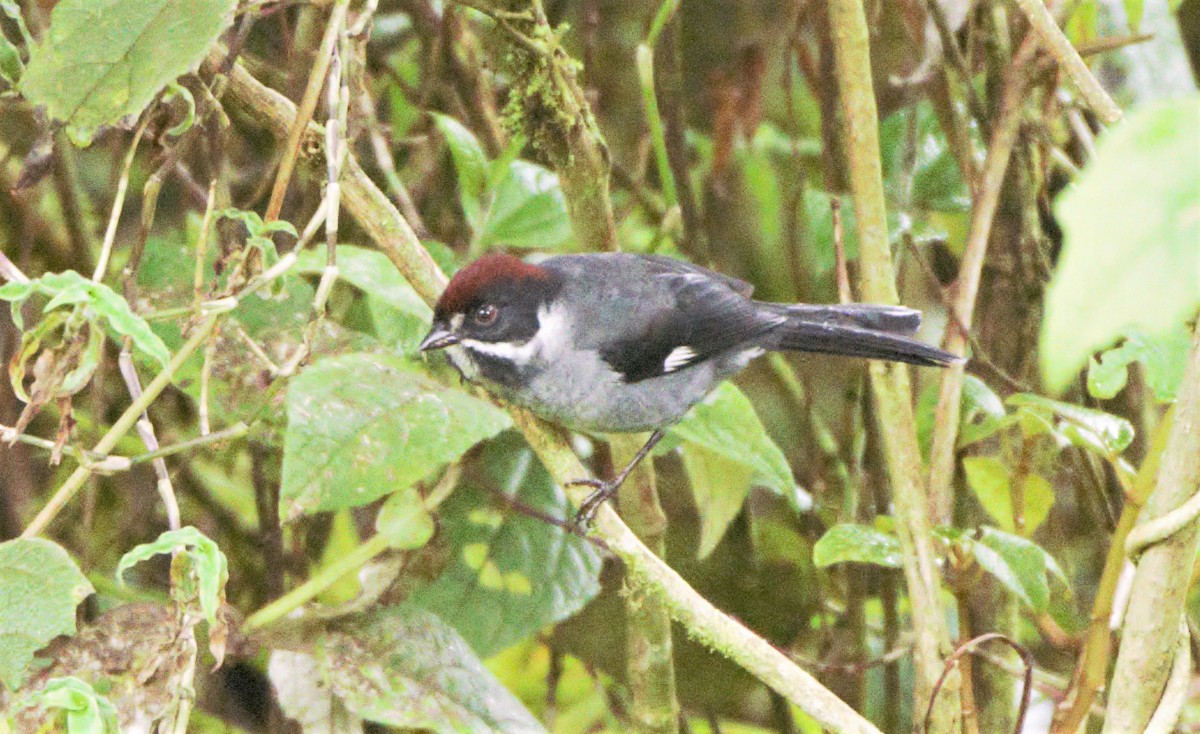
x=666, y=265
x=710, y=316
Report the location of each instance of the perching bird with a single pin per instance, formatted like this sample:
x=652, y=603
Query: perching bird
x=622, y=343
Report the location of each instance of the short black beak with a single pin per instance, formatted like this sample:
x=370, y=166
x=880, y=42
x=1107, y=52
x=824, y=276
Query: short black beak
x=439, y=337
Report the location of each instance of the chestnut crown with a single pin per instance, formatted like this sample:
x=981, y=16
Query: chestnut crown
x=498, y=296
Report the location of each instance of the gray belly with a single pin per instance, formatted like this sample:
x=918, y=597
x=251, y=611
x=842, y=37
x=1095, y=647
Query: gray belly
x=595, y=399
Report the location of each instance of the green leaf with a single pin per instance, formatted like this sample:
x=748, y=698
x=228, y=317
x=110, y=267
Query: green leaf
x=208, y=563
x=445, y=257
x=1019, y=564
x=255, y=226
x=70, y=289
x=921, y=175
x=726, y=424
x=1134, y=10
x=361, y=426
x=258, y=237
x=404, y=520
x=510, y=574
x=401, y=317
x=1083, y=22
x=175, y=90
x=1163, y=357
x=11, y=67
x=1132, y=228
x=40, y=586
x=89, y=361
x=470, y=163
x=1039, y=498
x=528, y=210
x=87, y=711
x=1095, y=430
x=982, y=413
x=991, y=483
x=402, y=667
x=13, y=10
x=720, y=487
x=101, y=60
x=859, y=544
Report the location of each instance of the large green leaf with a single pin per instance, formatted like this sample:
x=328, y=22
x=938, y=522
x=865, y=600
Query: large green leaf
x=40, y=586
x=990, y=482
x=726, y=424
x=858, y=543
x=528, y=210
x=470, y=163
x=399, y=666
x=404, y=521
x=720, y=487
x=69, y=288
x=1163, y=357
x=1019, y=564
x=510, y=574
x=103, y=59
x=362, y=425
x=401, y=317
x=1131, y=256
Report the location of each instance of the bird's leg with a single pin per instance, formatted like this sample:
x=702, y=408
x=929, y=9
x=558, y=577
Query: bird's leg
x=604, y=490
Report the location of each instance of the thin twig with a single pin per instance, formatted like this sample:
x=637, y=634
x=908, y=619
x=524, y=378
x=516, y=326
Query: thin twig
x=67, y=491
x=256, y=350
x=308, y=105
x=387, y=164
x=966, y=289
x=110, y=234
x=10, y=271
x=145, y=429
x=1054, y=41
x=968, y=648
x=237, y=430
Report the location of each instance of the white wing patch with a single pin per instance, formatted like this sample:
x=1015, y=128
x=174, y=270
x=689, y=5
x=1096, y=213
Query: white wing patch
x=679, y=357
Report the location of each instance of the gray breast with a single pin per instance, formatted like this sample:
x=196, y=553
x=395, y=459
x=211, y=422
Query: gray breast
x=590, y=396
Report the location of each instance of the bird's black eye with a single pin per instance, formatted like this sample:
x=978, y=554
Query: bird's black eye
x=486, y=314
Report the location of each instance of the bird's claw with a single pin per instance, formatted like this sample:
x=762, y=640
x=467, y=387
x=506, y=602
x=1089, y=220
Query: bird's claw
x=589, y=506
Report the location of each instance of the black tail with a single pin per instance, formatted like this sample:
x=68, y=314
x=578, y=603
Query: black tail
x=857, y=330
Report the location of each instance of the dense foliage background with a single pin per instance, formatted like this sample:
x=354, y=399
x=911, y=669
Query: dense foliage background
x=232, y=499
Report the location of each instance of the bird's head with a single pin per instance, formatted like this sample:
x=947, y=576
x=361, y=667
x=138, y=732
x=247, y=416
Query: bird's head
x=493, y=307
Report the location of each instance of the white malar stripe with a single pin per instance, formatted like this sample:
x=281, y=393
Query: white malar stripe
x=553, y=335
x=679, y=357
x=461, y=359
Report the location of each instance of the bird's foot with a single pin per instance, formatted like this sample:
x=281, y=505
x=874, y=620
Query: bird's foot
x=587, y=510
